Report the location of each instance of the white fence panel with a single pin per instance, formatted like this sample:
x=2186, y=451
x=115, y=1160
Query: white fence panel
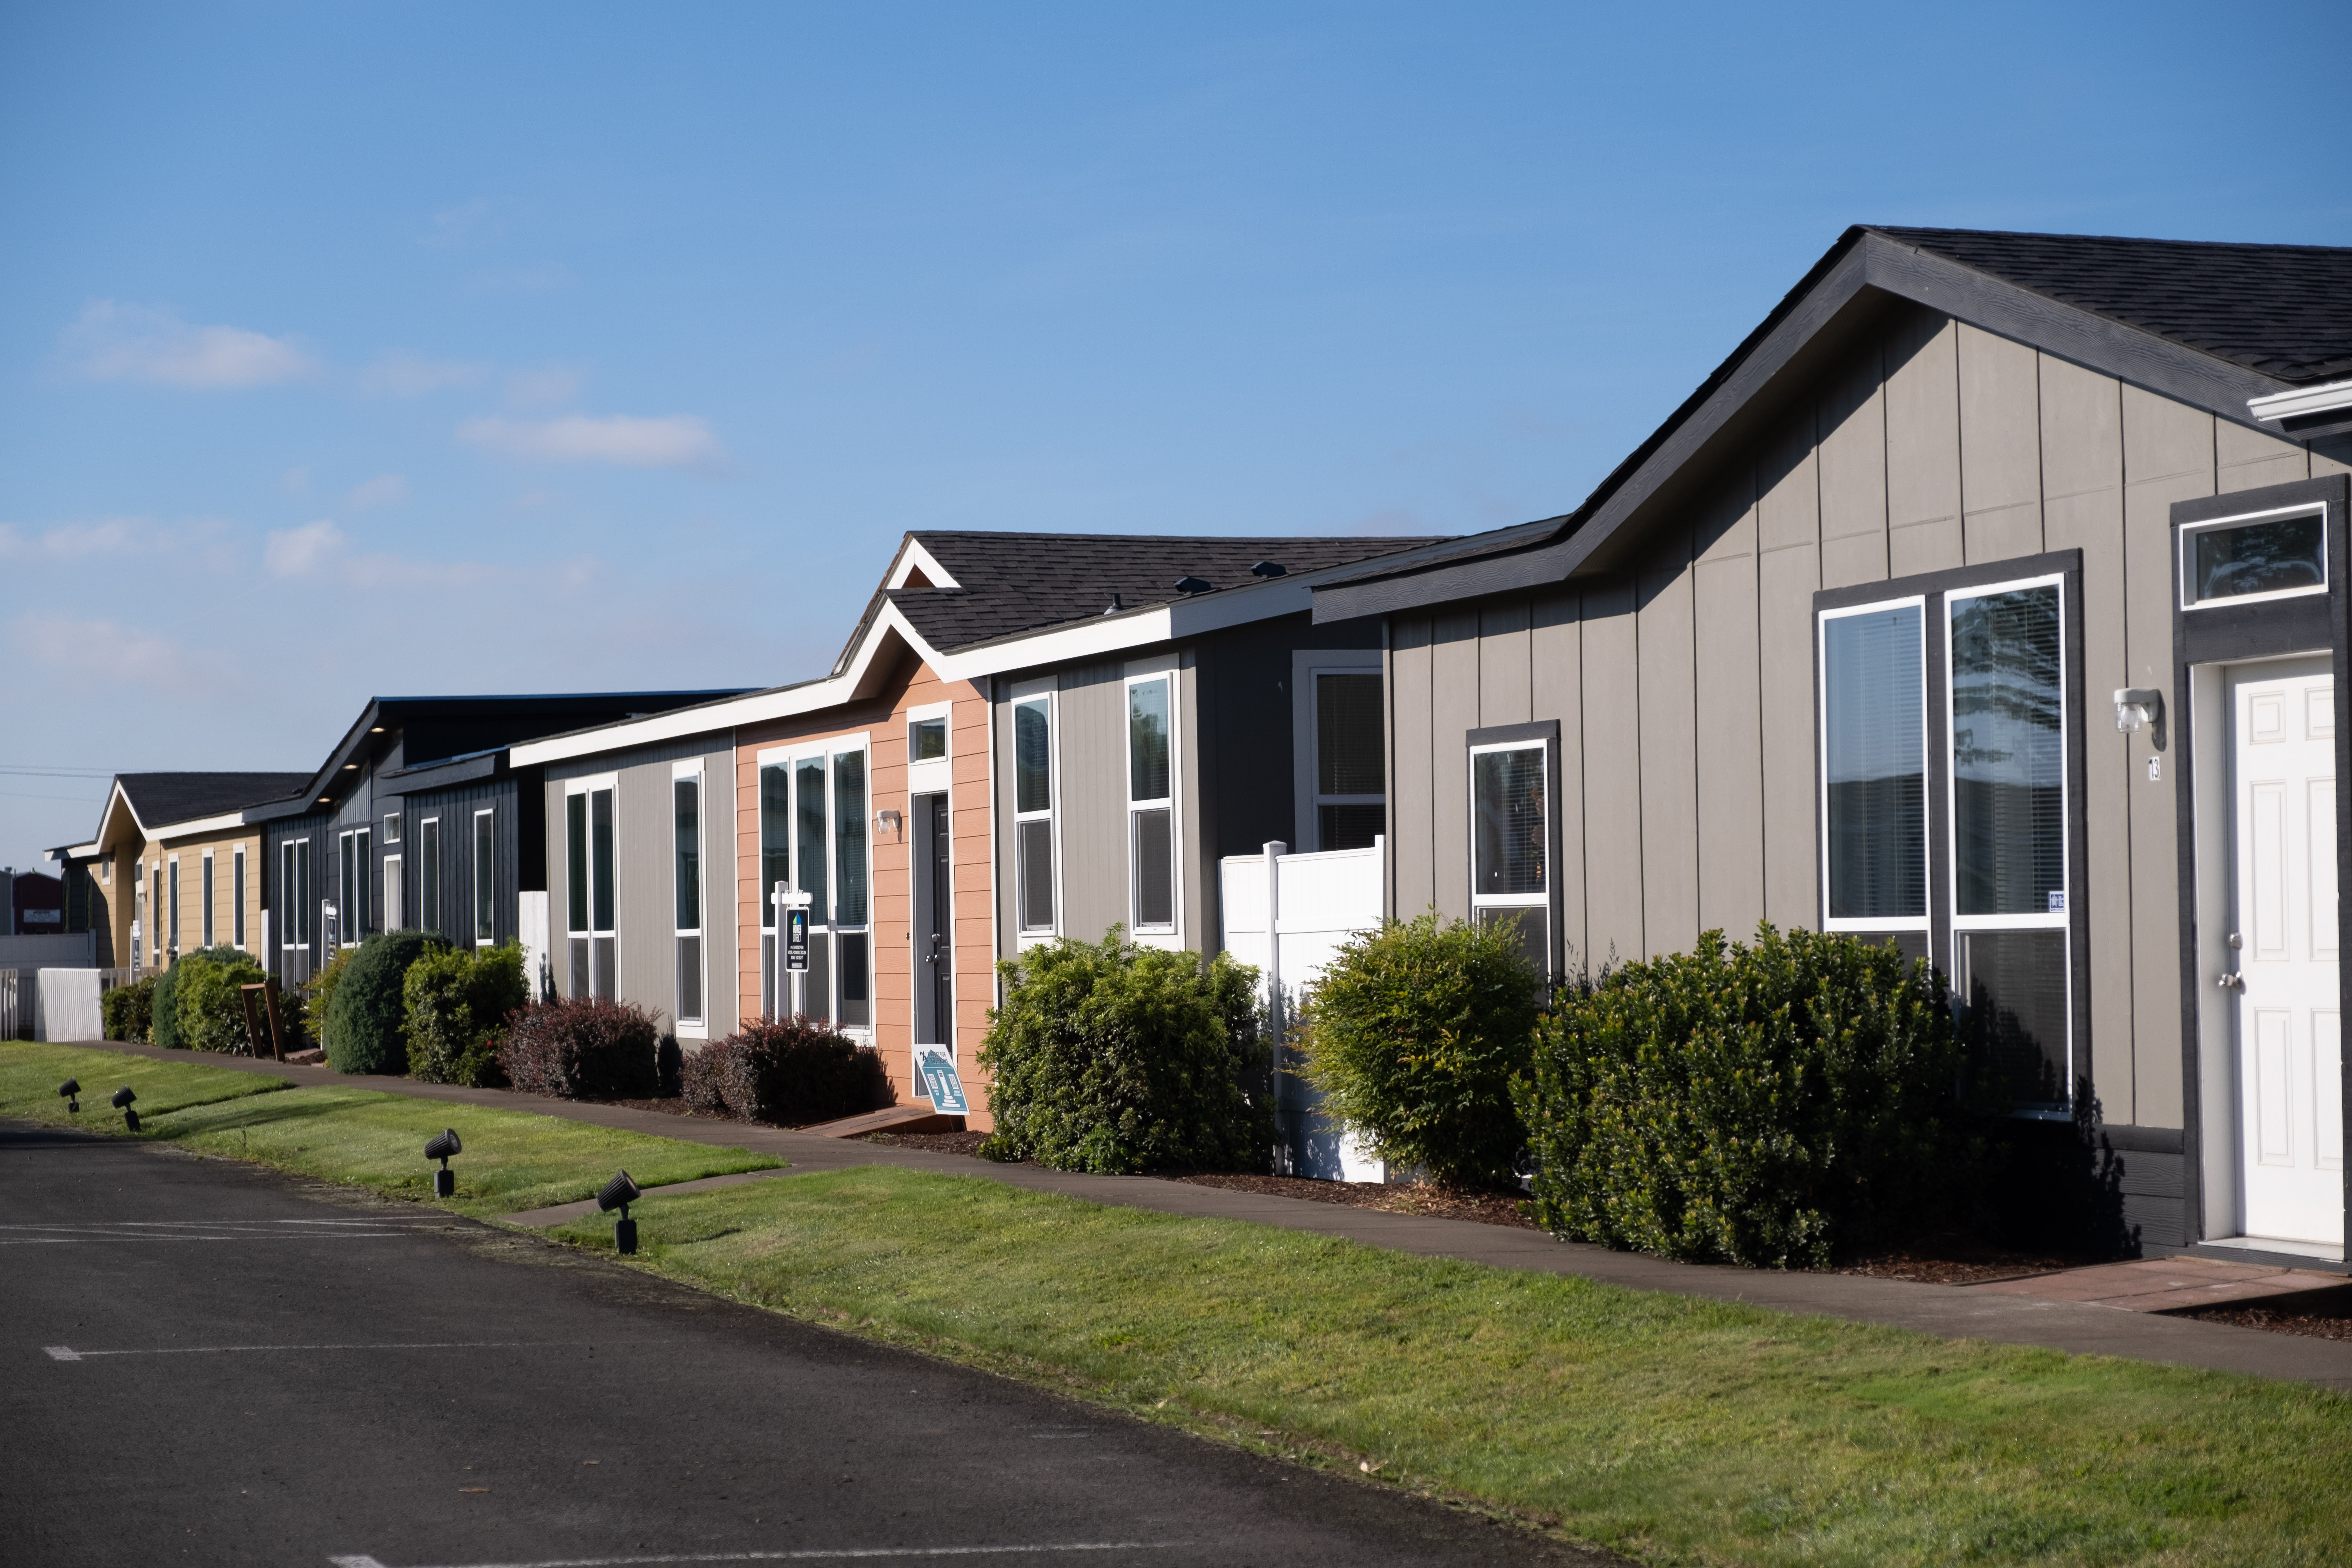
x=67, y=1005
x=1287, y=915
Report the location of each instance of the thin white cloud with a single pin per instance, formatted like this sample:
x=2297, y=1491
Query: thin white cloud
x=74, y=540
x=297, y=552
x=671, y=441
x=93, y=652
x=409, y=376
x=544, y=388
x=384, y=489
x=132, y=342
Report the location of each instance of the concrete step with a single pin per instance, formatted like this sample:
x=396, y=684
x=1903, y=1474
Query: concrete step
x=891, y=1119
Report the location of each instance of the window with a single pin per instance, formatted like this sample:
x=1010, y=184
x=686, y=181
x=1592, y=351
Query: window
x=295, y=903
x=106, y=873
x=392, y=827
x=685, y=812
x=353, y=875
x=1974, y=717
x=588, y=889
x=927, y=740
x=1033, y=813
x=428, y=874
x=204, y=882
x=1874, y=666
x=486, y=876
x=822, y=797
x=1152, y=814
x=172, y=908
x=2279, y=554
x=1351, y=775
x=775, y=866
x=391, y=893
x=237, y=894
x=1510, y=839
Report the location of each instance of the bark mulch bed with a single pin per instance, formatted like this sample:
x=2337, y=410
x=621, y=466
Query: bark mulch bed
x=1957, y=1260
x=965, y=1144
x=2317, y=1314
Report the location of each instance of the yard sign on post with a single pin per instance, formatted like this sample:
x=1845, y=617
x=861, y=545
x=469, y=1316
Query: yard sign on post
x=792, y=952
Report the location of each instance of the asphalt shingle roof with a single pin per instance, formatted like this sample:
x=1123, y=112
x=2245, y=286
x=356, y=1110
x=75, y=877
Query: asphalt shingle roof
x=2282, y=311
x=161, y=798
x=1010, y=584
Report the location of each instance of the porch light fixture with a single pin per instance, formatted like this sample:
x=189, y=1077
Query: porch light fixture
x=122, y=1099
x=68, y=1091
x=2137, y=707
x=444, y=1145
x=619, y=1193
x=887, y=820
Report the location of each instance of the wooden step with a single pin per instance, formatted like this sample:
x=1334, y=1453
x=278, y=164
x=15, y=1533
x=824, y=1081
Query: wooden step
x=891, y=1119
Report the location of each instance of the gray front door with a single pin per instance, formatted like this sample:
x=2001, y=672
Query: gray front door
x=932, y=935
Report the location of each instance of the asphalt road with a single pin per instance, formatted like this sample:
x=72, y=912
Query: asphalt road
x=208, y=1363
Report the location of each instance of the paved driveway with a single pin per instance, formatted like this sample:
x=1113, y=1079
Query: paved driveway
x=212, y=1363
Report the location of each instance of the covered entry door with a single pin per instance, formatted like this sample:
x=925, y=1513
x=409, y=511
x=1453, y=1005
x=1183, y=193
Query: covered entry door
x=2289, y=1023
x=933, y=934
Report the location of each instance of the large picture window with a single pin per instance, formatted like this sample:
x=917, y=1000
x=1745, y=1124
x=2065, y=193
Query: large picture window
x=1948, y=750
x=486, y=875
x=589, y=899
x=206, y=885
x=821, y=795
x=353, y=877
x=775, y=866
x=428, y=874
x=1033, y=813
x=1152, y=803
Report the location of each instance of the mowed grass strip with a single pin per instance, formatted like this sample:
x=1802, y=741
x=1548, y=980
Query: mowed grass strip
x=1672, y=1429
x=513, y=1161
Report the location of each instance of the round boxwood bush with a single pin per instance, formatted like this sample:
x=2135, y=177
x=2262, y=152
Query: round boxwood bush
x=366, y=1008
x=456, y=1005
x=1772, y=1104
x=583, y=1049
x=128, y=1012
x=1114, y=1058
x=1413, y=1034
x=168, y=1025
x=790, y=1072
x=209, y=998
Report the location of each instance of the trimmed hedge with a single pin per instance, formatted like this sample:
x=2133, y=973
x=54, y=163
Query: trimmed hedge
x=367, y=1009
x=583, y=1049
x=454, y=1005
x=1773, y=1105
x=1414, y=1033
x=128, y=1012
x=169, y=1020
x=1114, y=1058
x=210, y=1001
x=788, y=1072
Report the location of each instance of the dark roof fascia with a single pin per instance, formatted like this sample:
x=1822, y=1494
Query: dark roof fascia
x=1863, y=259
x=308, y=799
x=444, y=772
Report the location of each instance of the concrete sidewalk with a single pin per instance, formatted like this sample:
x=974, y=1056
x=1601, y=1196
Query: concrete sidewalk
x=2012, y=1316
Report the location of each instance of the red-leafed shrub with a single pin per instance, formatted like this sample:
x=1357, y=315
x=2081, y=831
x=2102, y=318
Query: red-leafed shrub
x=790, y=1072
x=589, y=1049
x=702, y=1078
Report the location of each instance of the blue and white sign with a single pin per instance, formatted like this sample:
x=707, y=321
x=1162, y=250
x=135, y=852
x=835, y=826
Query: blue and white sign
x=938, y=1071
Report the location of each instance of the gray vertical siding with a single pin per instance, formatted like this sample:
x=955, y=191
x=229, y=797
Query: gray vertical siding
x=1684, y=688
x=1091, y=804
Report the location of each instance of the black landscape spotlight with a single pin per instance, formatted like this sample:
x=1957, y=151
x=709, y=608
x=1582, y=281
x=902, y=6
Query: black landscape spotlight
x=445, y=1143
x=619, y=1193
x=122, y=1099
x=67, y=1091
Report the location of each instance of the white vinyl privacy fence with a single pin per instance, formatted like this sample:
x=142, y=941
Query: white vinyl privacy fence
x=1288, y=914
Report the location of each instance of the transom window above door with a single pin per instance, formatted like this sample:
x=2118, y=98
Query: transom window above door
x=2280, y=553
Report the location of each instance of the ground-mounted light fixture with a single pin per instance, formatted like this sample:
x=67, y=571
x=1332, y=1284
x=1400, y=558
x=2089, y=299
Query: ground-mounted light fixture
x=2137, y=707
x=122, y=1099
x=445, y=1143
x=619, y=1193
x=70, y=1092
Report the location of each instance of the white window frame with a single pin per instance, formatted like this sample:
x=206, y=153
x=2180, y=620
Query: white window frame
x=1043, y=689
x=588, y=787
x=237, y=894
x=391, y=828
x=2040, y=919
x=693, y=1027
x=1928, y=740
x=1540, y=901
x=1306, y=742
x=389, y=907
x=1171, y=934
x=170, y=922
x=936, y=774
x=206, y=887
x=824, y=749
x=354, y=848
x=2191, y=531
x=428, y=845
x=486, y=874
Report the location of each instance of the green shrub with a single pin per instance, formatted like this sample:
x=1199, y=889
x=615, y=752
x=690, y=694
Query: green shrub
x=1413, y=1035
x=319, y=991
x=1771, y=1105
x=455, y=1007
x=1110, y=1057
x=128, y=1011
x=163, y=1011
x=209, y=1002
x=366, y=1009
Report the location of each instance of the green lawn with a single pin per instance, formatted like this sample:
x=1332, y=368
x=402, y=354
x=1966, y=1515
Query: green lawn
x=1672, y=1429
x=513, y=1161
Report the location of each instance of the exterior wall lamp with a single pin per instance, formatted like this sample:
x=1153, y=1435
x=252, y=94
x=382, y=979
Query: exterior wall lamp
x=2136, y=708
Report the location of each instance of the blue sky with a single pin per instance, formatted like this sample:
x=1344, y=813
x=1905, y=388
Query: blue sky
x=365, y=349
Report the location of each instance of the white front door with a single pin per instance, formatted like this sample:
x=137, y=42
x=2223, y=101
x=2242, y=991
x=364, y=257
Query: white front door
x=2290, y=1050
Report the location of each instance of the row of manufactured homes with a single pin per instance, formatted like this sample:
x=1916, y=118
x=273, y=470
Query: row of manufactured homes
x=1990, y=598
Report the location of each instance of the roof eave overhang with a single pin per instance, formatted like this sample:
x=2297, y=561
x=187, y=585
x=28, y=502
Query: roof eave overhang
x=441, y=776
x=1848, y=289
x=219, y=822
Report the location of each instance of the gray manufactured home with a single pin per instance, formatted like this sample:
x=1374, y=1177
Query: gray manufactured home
x=1990, y=598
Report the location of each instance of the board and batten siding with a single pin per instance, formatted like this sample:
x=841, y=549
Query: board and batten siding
x=1684, y=688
